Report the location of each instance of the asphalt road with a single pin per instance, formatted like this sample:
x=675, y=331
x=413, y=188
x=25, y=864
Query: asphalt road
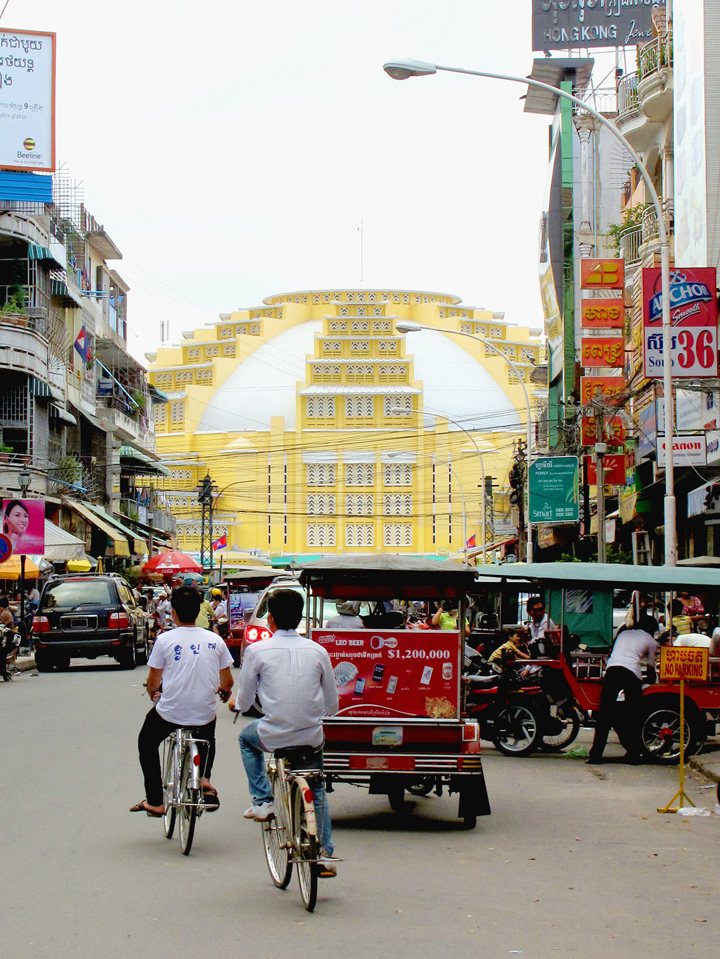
x=574, y=861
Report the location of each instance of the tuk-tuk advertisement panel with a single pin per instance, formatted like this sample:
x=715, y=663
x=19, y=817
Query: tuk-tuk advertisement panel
x=389, y=673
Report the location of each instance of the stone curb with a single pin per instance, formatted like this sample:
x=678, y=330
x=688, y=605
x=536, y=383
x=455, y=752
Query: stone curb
x=706, y=769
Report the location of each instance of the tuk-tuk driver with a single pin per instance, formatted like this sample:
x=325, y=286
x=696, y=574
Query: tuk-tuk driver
x=539, y=624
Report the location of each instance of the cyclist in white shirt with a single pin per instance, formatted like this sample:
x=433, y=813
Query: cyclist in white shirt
x=191, y=665
x=293, y=678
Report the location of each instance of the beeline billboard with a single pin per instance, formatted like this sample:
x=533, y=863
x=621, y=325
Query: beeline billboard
x=693, y=320
x=568, y=24
x=27, y=100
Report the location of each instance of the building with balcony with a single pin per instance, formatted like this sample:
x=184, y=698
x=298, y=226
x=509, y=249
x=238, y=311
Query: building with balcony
x=75, y=406
x=325, y=430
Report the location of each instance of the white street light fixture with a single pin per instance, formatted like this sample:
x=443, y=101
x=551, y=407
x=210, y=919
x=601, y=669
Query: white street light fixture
x=410, y=326
x=403, y=69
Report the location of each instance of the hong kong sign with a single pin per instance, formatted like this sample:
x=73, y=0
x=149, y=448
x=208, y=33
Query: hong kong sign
x=568, y=24
x=602, y=351
x=602, y=314
x=604, y=388
x=693, y=321
x=602, y=274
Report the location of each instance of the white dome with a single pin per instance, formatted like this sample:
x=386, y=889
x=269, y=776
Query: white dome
x=265, y=384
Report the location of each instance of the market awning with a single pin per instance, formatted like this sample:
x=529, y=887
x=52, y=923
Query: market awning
x=61, y=545
x=36, y=252
x=139, y=545
x=118, y=540
x=142, y=462
x=63, y=415
x=696, y=499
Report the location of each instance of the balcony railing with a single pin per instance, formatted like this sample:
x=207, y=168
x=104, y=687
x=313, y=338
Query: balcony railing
x=628, y=100
x=650, y=230
x=630, y=241
x=655, y=55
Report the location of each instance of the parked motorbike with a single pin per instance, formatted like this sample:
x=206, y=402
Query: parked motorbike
x=514, y=714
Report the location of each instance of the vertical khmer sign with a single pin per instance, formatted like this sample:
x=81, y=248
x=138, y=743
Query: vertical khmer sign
x=27, y=100
x=568, y=24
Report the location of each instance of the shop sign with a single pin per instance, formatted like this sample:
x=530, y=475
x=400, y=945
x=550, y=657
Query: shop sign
x=602, y=274
x=687, y=450
x=693, y=319
x=615, y=432
x=614, y=470
x=712, y=446
x=569, y=24
x=389, y=674
x=602, y=351
x=600, y=387
x=554, y=490
x=27, y=84
x=602, y=314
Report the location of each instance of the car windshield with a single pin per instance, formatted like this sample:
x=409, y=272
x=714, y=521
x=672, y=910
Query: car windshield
x=80, y=593
x=329, y=607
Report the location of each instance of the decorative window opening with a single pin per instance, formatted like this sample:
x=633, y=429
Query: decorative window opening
x=397, y=504
x=359, y=346
x=359, y=406
x=360, y=326
x=228, y=349
x=320, y=474
x=320, y=534
x=397, y=474
x=359, y=474
x=359, y=534
x=226, y=332
x=319, y=406
x=332, y=346
x=359, y=504
x=212, y=350
x=392, y=404
x=193, y=353
x=397, y=534
x=321, y=504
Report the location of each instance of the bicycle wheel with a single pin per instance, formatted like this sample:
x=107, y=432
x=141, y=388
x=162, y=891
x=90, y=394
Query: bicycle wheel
x=306, y=850
x=169, y=781
x=188, y=805
x=275, y=840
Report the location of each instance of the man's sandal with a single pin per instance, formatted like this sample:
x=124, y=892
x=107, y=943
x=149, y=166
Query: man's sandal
x=210, y=797
x=142, y=807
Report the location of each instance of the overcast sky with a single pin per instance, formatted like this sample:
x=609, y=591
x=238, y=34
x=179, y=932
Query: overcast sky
x=231, y=149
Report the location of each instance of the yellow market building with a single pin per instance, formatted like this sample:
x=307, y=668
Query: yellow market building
x=325, y=430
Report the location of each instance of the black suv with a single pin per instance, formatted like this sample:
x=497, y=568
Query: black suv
x=88, y=615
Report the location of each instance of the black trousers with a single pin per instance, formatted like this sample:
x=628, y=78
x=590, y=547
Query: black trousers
x=154, y=730
x=626, y=720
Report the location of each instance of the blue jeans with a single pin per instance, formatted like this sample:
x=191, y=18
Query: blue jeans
x=251, y=750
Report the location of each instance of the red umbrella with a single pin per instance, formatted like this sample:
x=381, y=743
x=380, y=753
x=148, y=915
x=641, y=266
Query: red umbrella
x=171, y=563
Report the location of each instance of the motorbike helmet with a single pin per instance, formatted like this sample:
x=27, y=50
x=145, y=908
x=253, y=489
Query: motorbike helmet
x=216, y=592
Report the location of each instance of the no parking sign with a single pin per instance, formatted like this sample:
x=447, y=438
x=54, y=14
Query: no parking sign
x=5, y=547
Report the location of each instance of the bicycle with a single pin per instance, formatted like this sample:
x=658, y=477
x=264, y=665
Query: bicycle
x=290, y=836
x=182, y=784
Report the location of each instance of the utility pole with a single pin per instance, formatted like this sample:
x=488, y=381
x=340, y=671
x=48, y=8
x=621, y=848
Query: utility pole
x=205, y=499
x=517, y=494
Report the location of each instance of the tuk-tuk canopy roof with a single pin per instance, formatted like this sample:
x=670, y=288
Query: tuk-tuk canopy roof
x=612, y=575
x=387, y=576
x=248, y=573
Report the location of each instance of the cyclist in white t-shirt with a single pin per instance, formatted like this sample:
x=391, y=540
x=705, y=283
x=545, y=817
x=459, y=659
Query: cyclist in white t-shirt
x=191, y=665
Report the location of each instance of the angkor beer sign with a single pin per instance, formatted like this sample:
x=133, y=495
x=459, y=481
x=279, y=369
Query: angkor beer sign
x=693, y=321
x=566, y=24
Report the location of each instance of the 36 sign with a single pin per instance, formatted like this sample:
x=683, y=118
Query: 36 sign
x=693, y=320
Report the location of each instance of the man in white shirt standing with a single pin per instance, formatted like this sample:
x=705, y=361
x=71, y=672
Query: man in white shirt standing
x=192, y=665
x=294, y=681
x=623, y=674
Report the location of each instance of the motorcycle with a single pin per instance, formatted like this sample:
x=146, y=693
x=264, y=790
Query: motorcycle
x=514, y=714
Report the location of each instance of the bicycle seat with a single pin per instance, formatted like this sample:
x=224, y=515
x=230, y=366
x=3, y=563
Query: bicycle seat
x=299, y=757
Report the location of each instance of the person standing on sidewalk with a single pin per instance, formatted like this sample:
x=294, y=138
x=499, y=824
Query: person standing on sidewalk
x=293, y=678
x=623, y=674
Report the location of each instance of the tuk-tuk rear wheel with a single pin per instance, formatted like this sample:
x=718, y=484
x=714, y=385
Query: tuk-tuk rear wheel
x=660, y=731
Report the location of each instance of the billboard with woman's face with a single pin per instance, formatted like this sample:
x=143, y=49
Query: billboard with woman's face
x=24, y=522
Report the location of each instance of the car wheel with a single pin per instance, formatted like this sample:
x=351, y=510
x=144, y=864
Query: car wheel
x=43, y=661
x=128, y=657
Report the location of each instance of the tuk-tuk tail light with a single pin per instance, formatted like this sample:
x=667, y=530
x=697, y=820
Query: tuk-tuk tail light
x=471, y=733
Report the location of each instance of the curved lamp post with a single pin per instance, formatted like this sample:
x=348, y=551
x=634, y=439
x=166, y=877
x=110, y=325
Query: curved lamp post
x=410, y=326
x=403, y=69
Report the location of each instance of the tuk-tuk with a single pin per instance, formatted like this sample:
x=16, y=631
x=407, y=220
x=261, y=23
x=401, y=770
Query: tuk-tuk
x=582, y=601
x=243, y=591
x=400, y=725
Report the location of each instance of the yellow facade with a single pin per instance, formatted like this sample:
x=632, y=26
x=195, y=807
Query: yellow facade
x=310, y=413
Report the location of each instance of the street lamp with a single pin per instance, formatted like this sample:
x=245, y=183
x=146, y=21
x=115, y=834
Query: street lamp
x=400, y=411
x=403, y=69
x=410, y=326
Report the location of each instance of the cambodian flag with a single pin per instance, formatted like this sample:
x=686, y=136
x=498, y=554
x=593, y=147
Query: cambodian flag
x=82, y=344
x=471, y=542
x=220, y=543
